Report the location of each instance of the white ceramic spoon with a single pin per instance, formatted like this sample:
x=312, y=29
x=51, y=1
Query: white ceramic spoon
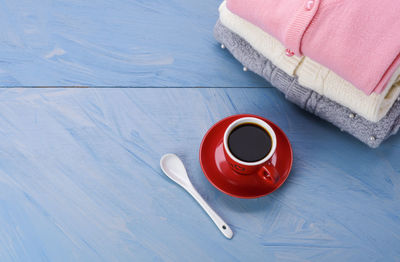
x=173, y=167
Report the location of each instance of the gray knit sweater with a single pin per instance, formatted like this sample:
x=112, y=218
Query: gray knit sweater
x=372, y=134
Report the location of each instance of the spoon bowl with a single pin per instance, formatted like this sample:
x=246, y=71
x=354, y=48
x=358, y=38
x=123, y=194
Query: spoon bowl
x=173, y=167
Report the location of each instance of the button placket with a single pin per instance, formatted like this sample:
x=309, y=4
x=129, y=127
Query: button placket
x=298, y=25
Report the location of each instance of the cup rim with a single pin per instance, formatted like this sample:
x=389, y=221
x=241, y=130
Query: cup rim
x=259, y=122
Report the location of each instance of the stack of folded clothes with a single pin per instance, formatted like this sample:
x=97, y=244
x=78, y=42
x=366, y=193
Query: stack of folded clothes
x=339, y=60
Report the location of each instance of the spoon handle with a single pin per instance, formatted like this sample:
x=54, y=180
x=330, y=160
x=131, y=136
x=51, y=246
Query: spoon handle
x=222, y=226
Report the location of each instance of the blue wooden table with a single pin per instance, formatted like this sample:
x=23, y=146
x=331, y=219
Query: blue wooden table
x=80, y=181
x=114, y=43
x=79, y=174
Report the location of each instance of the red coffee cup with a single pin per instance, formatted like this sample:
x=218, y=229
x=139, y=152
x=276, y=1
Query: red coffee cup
x=262, y=167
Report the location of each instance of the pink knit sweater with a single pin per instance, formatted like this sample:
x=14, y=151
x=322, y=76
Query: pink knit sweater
x=357, y=39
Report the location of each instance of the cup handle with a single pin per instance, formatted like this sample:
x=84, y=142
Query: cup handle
x=269, y=173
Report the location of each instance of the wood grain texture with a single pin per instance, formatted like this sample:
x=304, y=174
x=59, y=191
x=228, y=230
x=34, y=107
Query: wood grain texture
x=114, y=43
x=80, y=181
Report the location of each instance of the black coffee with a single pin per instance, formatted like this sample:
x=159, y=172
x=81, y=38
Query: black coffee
x=249, y=142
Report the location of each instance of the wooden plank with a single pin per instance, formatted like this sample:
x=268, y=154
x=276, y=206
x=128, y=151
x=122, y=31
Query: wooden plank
x=115, y=43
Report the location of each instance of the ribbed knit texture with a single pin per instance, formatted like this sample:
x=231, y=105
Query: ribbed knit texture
x=372, y=134
x=312, y=74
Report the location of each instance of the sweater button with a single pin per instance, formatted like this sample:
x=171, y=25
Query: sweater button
x=289, y=52
x=309, y=5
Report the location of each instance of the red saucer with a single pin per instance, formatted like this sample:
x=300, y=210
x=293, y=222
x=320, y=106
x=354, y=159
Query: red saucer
x=219, y=173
